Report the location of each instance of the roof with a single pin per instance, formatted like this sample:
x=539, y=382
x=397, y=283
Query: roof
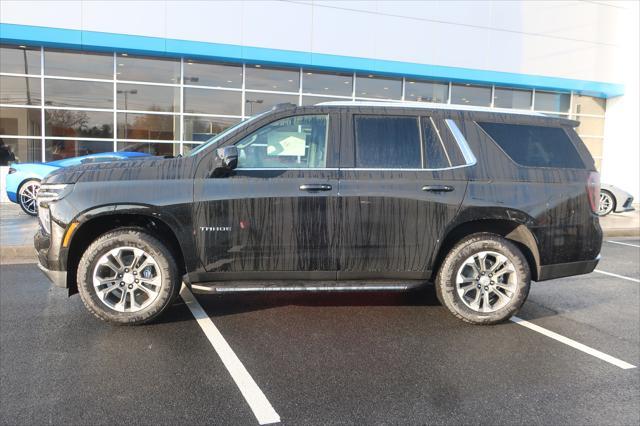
x=429, y=105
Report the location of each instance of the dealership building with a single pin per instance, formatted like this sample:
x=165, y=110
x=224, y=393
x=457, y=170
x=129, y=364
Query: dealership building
x=78, y=77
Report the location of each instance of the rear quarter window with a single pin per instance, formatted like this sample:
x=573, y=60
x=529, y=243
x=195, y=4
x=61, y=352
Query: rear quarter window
x=535, y=146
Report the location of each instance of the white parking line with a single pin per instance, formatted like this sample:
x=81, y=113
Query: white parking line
x=579, y=346
x=261, y=407
x=622, y=244
x=635, y=280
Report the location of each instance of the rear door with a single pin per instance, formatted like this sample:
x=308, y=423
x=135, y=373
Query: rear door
x=399, y=189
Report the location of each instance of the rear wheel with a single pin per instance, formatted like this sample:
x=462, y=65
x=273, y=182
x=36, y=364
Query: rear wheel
x=607, y=203
x=27, y=196
x=127, y=277
x=484, y=279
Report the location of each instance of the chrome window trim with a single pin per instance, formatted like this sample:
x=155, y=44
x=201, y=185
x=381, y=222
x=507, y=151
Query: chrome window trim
x=469, y=158
x=353, y=169
x=286, y=168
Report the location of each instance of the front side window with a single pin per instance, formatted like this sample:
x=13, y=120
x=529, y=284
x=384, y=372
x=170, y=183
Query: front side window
x=288, y=143
x=389, y=142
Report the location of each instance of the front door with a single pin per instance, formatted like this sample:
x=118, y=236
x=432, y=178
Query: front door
x=275, y=215
x=399, y=192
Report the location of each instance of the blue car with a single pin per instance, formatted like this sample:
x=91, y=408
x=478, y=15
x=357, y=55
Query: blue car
x=23, y=180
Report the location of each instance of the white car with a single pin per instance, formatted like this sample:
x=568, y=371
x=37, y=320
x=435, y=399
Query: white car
x=614, y=199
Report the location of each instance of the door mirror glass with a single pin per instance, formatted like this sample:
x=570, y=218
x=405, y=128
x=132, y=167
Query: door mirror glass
x=288, y=143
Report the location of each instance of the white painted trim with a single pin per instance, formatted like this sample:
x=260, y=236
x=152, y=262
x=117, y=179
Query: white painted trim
x=576, y=345
x=258, y=402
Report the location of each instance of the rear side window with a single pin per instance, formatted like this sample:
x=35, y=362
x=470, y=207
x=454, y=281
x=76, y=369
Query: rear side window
x=391, y=142
x=535, y=146
x=435, y=155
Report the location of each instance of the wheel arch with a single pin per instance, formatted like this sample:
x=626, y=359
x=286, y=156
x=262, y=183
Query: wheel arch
x=513, y=231
x=91, y=228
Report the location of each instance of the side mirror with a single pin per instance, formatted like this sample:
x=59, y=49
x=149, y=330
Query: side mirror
x=227, y=160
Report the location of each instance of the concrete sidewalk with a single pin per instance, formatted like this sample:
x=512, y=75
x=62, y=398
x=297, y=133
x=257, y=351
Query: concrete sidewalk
x=17, y=230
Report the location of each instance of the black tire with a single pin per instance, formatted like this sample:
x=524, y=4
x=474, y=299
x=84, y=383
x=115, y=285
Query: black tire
x=612, y=205
x=25, y=201
x=475, y=243
x=128, y=237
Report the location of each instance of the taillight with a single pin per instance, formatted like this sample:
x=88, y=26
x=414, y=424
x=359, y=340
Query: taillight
x=593, y=190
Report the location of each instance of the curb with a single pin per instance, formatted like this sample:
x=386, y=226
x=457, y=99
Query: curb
x=17, y=254
x=621, y=232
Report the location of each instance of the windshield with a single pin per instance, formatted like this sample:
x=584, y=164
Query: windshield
x=214, y=140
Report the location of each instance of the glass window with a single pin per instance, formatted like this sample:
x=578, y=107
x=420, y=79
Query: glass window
x=73, y=93
x=20, y=121
x=535, y=146
x=204, y=128
x=387, y=142
x=20, y=151
x=148, y=126
x=292, y=142
x=512, y=98
x=552, y=101
x=277, y=79
x=590, y=126
x=57, y=149
x=188, y=147
x=19, y=60
x=19, y=90
x=434, y=153
x=327, y=84
x=425, y=91
x=370, y=86
x=88, y=124
x=78, y=64
x=141, y=97
x=467, y=94
x=147, y=69
x=215, y=75
x=154, y=148
x=313, y=100
x=256, y=103
x=588, y=105
x=208, y=101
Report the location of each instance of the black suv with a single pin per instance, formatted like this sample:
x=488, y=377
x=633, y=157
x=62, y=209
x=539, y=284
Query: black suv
x=336, y=196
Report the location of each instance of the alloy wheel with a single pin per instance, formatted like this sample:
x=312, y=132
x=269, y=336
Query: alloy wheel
x=486, y=281
x=606, y=204
x=127, y=279
x=28, y=194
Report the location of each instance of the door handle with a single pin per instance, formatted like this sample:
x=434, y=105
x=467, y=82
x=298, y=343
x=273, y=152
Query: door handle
x=437, y=188
x=312, y=187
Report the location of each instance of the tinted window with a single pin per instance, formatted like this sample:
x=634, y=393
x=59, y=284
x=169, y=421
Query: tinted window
x=281, y=80
x=256, y=103
x=535, y=146
x=76, y=64
x=153, y=148
x=387, y=142
x=20, y=121
x=216, y=75
x=148, y=126
x=89, y=124
x=292, y=142
x=142, y=97
x=369, y=86
x=435, y=156
x=550, y=101
x=73, y=93
x=512, y=98
x=19, y=90
x=204, y=128
x=58, y=149
x=466, y=94
x=423, y=91
x=20, y=60
x=20, y=151
x=327, y=84
x=208, y=101
x=145, y=69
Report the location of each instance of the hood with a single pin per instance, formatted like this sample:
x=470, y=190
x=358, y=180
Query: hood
x=130, y=169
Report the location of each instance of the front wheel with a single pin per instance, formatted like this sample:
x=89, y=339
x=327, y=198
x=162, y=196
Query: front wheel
x=484, y=279
x=27, y=197
x=127, y=277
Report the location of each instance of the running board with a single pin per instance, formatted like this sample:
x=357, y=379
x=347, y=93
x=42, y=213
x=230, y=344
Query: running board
x=267, y=286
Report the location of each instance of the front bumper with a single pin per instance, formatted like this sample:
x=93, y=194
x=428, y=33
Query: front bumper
x=58, y=278
x=560, y=270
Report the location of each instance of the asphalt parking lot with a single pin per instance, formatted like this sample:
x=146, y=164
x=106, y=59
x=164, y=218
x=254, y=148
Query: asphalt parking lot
x=328, y=358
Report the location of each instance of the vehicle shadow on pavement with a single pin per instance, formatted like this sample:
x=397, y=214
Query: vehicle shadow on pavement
x=218, y=305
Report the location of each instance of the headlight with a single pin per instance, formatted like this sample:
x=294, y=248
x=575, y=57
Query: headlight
x=53, y=192
x=47, y=194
